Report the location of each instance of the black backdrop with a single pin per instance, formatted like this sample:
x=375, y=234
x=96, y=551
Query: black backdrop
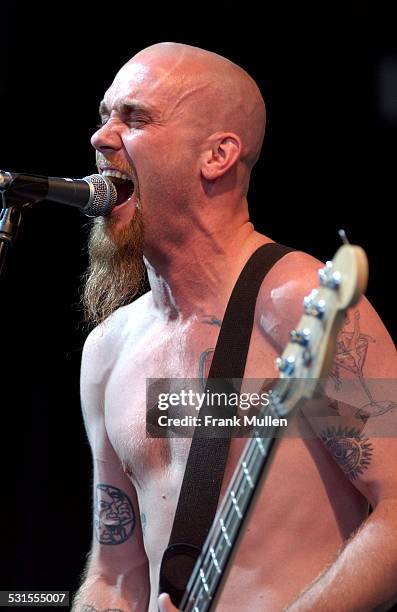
x=327, y=163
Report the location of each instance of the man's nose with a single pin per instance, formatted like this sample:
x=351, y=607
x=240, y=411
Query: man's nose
x=107, y=137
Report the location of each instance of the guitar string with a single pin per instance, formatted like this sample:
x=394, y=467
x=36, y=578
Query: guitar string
x=241, y=479
x=200, y=596
x=214, y=544
x=197, y=579
x=229, y=516
x=251, y=450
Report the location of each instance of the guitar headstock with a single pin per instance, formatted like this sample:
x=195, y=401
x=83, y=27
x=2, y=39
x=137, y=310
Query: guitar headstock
x=309, y=354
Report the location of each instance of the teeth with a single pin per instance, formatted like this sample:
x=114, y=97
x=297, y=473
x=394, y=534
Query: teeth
x=116, y=174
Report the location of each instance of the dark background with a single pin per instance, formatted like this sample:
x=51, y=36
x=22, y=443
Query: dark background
x=330, y=82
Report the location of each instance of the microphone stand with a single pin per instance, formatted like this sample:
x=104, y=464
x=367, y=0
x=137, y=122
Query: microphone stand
x=10, y=220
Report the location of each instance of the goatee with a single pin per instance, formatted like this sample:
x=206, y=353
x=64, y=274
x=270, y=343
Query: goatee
x=116, y=272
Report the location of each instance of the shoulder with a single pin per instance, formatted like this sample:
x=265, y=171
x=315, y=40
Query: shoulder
x=280, y=299
x=101, y=349
x=280, y=307
x=357, y=422
x=104, y=343
x=113, y=329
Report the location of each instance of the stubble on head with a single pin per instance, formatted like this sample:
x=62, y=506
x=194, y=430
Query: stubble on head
x=116, y=272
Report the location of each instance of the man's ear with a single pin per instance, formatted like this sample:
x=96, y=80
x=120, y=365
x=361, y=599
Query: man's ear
x=222, y=152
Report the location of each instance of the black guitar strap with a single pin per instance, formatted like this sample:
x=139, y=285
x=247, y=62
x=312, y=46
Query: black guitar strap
x=201, y=485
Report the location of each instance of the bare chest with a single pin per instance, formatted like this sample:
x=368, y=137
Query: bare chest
x=164, y=353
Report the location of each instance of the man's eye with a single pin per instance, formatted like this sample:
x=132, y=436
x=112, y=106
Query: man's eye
x=135, y=121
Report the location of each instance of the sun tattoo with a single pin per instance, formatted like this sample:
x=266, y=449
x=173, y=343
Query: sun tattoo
x=350, y=449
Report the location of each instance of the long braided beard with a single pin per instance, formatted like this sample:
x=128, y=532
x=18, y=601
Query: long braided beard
x=116, y=271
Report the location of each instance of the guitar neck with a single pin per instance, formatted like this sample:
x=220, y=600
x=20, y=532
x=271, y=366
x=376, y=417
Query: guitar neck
x=215, y=560
x=307, y=358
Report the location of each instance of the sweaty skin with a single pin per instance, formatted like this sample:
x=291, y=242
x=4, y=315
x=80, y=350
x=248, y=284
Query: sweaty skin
x=190, y=147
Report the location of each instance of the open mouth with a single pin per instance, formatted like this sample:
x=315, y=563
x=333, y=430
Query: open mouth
x=124, y=185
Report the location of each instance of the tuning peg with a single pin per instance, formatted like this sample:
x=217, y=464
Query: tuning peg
x=329, y=278
x=301, y=336
x=312, y=306
x=286, y=365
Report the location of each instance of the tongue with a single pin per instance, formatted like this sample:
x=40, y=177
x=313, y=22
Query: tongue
x=124, y=189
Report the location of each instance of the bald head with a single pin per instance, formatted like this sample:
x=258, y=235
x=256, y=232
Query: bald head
x=213, y=92
x=186, y=126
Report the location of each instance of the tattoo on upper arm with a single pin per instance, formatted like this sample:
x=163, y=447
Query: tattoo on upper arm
x=114, y=517
x=351, y=353
x=207, y=355
x=351, y=450
x=351, y=350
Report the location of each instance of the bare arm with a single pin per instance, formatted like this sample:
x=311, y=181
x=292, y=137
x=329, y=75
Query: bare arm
x=361, y=437
x=363, y=577
x=116, y=576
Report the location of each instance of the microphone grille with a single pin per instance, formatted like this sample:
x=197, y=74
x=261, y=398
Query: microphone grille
x=103, y=196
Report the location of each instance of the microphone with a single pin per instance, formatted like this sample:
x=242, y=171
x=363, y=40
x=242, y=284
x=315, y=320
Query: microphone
x=95, y=195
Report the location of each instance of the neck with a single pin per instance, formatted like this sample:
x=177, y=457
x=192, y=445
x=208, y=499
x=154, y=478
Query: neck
x=194, y=275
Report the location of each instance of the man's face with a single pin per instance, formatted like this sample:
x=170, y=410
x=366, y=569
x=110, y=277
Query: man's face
x=146, y=137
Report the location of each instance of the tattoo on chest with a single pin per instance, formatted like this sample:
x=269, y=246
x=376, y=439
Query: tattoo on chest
x=205, y=361
x=351, y=450
x=114, y=518
x=211, y=320
x=206, y=356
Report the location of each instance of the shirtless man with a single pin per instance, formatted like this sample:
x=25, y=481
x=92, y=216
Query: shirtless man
x=186, y=126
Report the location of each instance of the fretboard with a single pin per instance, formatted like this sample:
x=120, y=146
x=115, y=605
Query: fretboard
x=223, y=535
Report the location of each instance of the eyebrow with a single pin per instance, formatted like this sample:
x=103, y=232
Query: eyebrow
x=126, y=106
